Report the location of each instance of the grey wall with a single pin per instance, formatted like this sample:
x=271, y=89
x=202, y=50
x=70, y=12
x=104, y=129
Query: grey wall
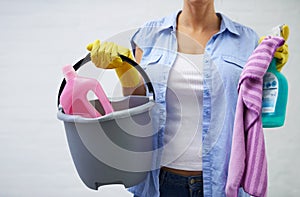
x=39, y=37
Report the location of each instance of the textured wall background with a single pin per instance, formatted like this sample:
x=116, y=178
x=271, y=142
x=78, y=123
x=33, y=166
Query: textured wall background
x=39, y=37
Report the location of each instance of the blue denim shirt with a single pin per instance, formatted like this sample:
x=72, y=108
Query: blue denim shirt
x=224, y=57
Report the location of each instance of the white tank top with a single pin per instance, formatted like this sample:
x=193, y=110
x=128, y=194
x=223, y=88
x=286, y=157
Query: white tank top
x=184, y=100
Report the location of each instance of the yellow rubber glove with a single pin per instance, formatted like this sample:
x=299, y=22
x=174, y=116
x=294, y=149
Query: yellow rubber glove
x=282, y=53
x=106, y=55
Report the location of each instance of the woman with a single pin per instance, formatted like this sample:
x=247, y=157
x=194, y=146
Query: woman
x=194, y=57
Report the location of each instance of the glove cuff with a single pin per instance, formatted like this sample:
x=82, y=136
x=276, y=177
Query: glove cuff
x=128, y=75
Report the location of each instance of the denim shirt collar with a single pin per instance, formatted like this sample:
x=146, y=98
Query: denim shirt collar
x=226, y=24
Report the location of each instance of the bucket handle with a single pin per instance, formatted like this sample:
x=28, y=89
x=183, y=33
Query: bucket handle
x=87, y=58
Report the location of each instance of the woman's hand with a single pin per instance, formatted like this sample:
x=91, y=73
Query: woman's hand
x=106, y=55
x=282, y=53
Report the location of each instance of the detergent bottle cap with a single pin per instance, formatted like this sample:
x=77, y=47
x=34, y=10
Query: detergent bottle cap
x=69, y=72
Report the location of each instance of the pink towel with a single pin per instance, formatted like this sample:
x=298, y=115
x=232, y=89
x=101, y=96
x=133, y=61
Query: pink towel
x=248, y=163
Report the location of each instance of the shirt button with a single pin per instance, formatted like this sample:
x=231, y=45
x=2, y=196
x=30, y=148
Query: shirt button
x=206, y=93
x=206, y=113
x=206, y=59
x=207, y=75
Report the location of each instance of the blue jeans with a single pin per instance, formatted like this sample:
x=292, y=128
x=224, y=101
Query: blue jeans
x=171, y=184
x=174, y=185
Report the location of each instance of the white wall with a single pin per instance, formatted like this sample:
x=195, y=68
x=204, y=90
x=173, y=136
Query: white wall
x=38, y=37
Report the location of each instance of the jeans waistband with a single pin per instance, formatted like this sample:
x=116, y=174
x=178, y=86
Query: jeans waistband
x=179, y=179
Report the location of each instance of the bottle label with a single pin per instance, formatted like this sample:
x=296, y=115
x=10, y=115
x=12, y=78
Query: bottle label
x=270, y=93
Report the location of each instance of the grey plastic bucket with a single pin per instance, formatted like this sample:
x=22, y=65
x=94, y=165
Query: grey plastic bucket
x=115, y=148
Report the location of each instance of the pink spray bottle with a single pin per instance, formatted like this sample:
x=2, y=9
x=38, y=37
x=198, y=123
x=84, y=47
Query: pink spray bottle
x=74, y=96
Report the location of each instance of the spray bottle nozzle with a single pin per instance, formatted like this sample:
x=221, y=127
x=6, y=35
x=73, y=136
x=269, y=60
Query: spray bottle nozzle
x=281, y=30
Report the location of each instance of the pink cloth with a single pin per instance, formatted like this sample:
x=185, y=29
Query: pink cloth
x=248, y=163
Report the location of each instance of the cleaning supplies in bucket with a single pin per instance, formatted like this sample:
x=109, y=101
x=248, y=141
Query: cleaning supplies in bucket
x=116, y=148
x=74, y=96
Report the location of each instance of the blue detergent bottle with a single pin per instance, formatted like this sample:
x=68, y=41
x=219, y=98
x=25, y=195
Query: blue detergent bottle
x=275, y=96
